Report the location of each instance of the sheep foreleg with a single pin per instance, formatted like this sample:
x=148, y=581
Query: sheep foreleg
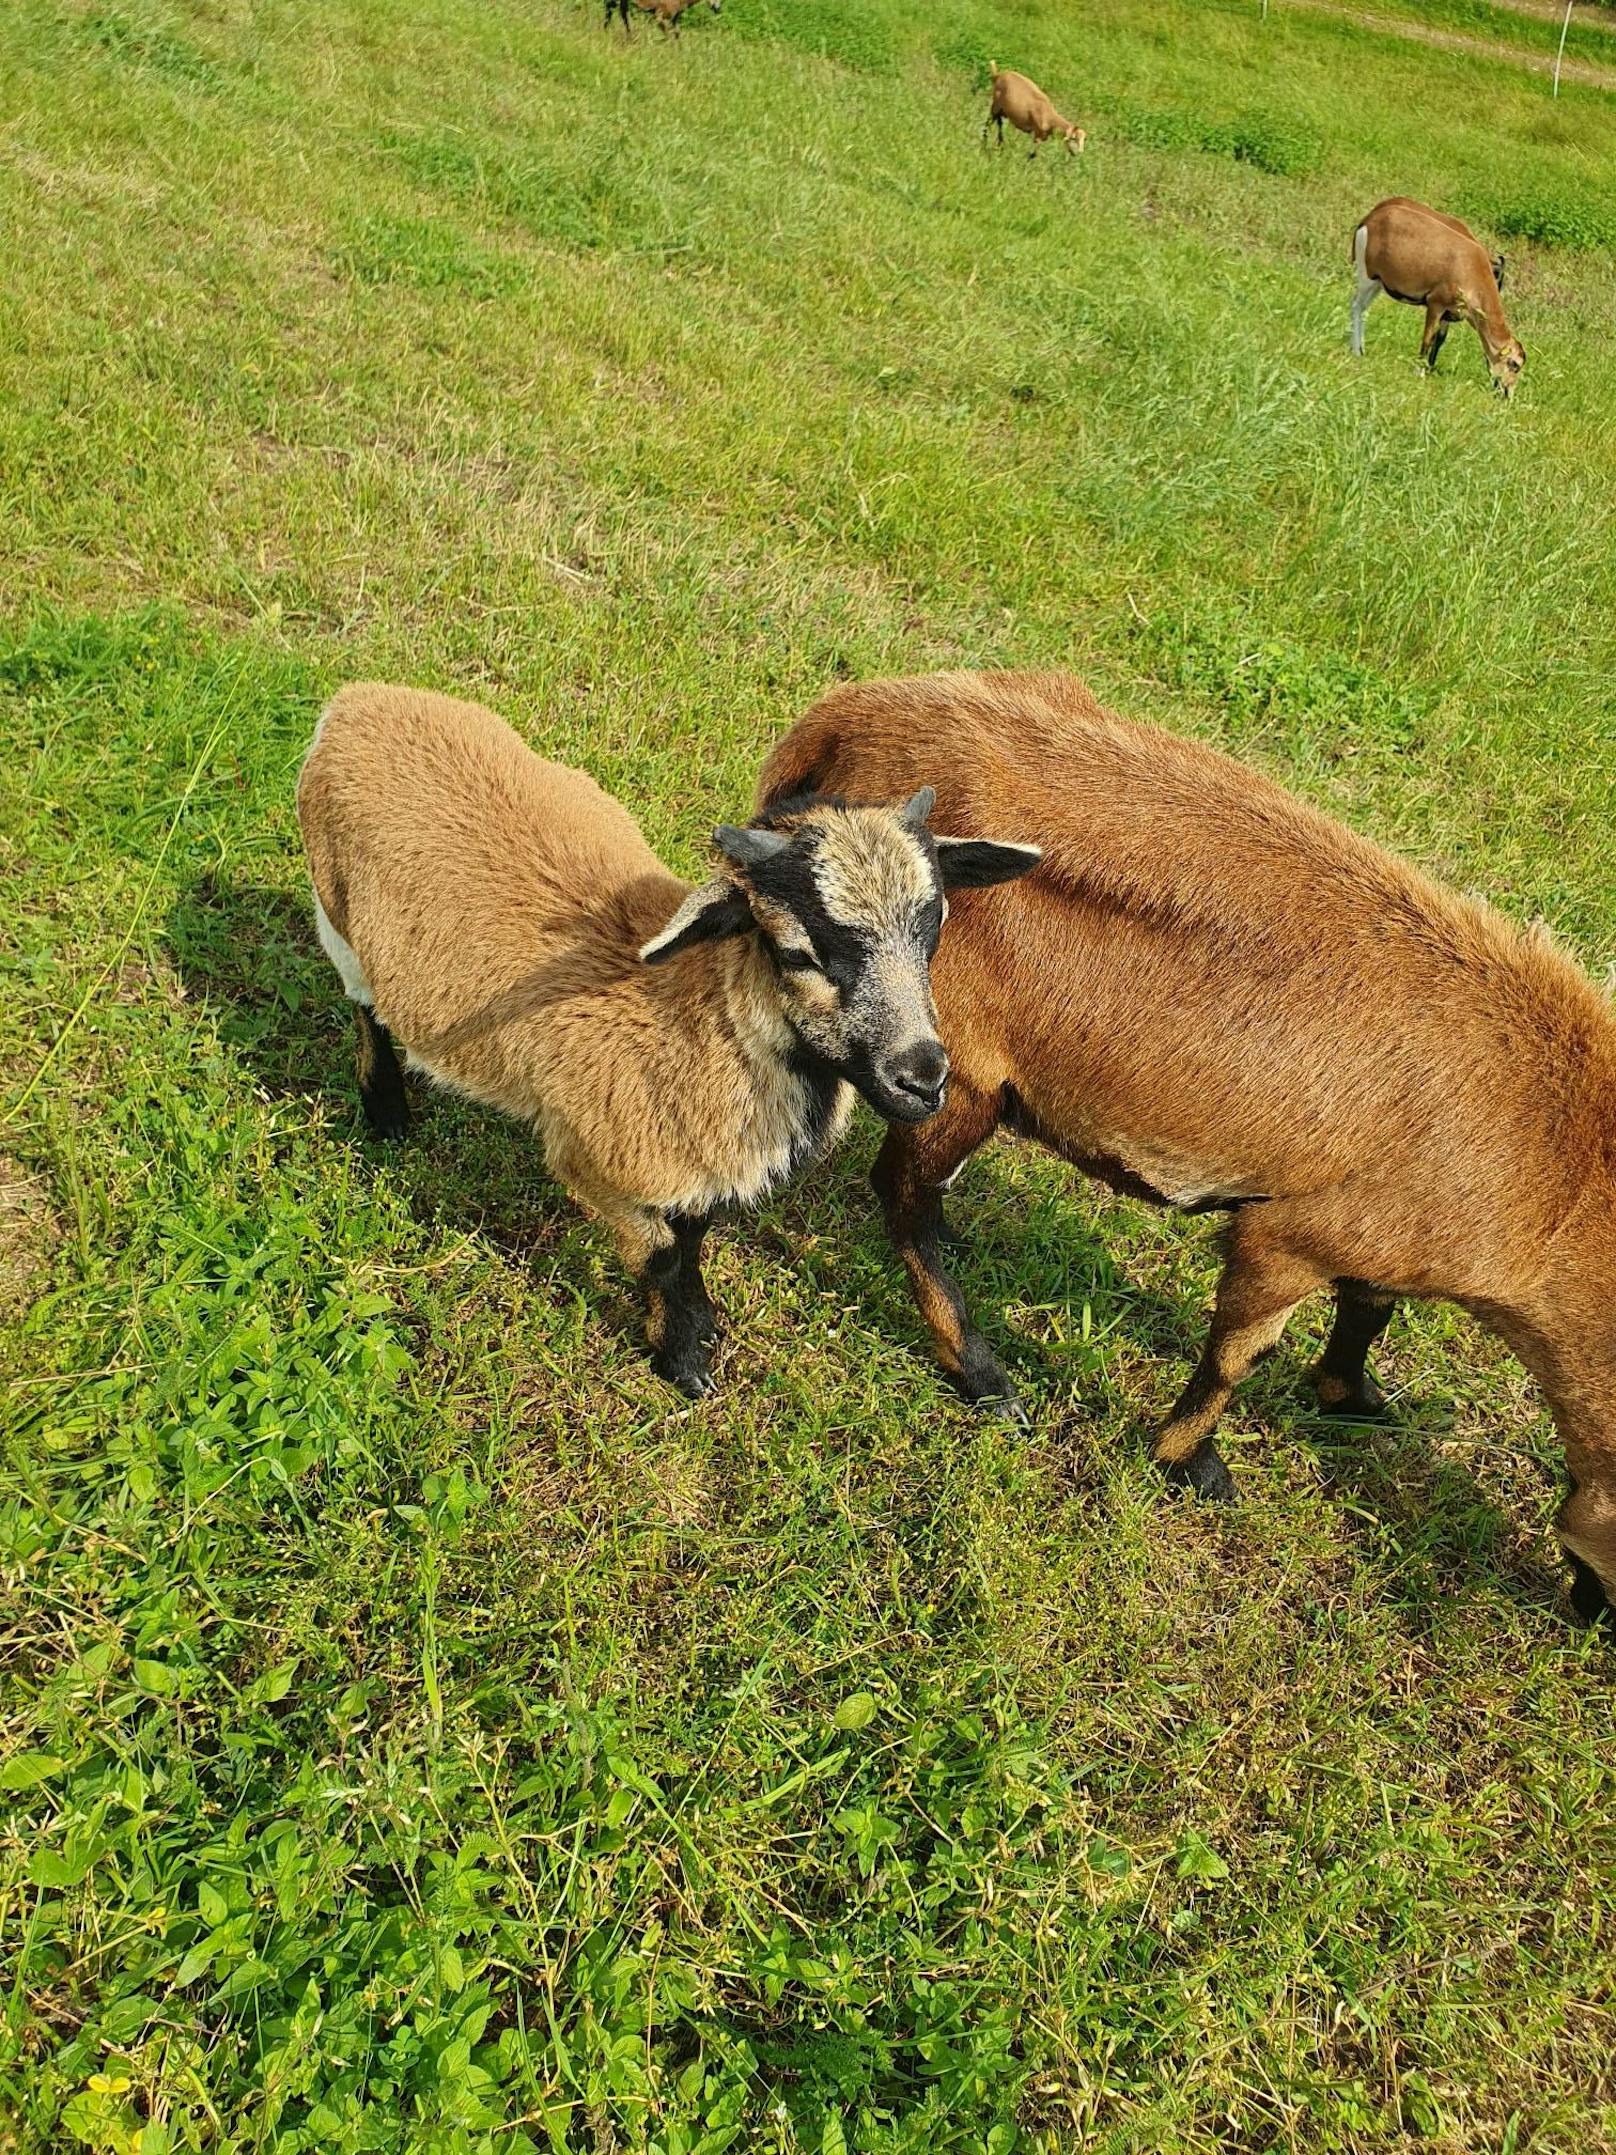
x=680, y=1311
x=910, y=1174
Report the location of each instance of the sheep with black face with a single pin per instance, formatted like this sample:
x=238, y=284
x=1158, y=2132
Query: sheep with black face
x=677, y=1050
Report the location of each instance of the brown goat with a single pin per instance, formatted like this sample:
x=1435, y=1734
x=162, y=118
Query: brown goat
x=1214, y=996
x=1428, y=259
x=667, y=12
x=1019, y=100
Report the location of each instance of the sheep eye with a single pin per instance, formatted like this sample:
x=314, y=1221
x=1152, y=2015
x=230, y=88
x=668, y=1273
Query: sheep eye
x=800, y=961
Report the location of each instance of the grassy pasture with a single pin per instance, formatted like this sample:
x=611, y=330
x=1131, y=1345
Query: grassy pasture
x=417, y=1730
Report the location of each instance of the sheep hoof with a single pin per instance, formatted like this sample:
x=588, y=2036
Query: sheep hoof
x=1203, y=1472
x=388, y=1117
x=691, y=1374
x=1364, y=1403
x=984, y=1384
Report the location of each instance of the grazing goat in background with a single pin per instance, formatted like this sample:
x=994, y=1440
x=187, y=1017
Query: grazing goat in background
x=1024, y=105
x=1212, y=995
x=667, y=12
x=677, y=1050
x=1430, y=260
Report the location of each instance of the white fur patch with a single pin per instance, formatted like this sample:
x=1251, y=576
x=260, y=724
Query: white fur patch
x=1180, y=1182
x=354, y=984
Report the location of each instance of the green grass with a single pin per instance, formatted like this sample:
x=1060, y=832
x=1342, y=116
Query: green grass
x=1537, y=33
x=422, y=1731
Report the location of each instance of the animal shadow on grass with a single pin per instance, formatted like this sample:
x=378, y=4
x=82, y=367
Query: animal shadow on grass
x=1435, y=1523
x=251, y=951
x=1430, y=1523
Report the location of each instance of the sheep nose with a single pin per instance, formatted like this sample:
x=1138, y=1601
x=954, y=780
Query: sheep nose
x=922, y=1072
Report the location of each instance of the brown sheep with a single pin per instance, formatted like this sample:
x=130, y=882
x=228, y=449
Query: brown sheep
x=1428, y=259
x=1214, y=996
x=1020, y=101
x=677, y=1050
x=667, y=12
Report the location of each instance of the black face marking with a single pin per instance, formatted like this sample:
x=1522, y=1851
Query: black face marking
x=787, y=881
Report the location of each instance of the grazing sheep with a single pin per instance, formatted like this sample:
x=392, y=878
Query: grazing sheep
x=1430, y=260
x=667, y=12
x=677, y=1050
x=1024, y=105
x=1214, y=996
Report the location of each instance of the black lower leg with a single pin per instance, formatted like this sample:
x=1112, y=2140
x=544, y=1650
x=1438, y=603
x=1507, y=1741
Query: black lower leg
x=1589, y=1600
x=1341, y=1380
x=381, y=1079
x=682, y=1311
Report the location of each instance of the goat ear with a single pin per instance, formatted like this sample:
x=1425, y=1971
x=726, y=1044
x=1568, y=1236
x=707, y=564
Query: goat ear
x=748, y=847
x=971, y=863
x=715, y=910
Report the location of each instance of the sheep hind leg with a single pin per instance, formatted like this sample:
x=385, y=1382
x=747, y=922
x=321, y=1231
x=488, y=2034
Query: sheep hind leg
x=381, y=1078
x=912, y=1170
x=1341, y=1379
x=1587, y=1529
x=1431, y=340
x=1262, y=1283
x=1368, y=289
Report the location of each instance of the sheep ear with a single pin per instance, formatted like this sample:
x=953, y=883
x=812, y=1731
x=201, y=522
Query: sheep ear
x=917, y=809
x=970, y=863
x=715, y=910
x=748, y=847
